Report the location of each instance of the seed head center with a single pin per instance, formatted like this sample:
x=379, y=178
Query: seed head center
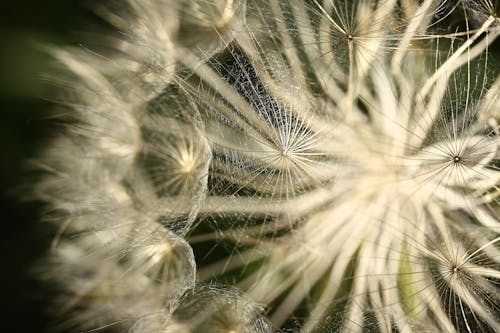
x=283, y=152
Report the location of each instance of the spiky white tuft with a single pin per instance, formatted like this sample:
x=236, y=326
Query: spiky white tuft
x=338, y=161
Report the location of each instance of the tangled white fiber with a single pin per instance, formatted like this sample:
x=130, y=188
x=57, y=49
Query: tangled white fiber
x=279, y=166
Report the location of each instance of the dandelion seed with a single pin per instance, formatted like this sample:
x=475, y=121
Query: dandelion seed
x=212, y=309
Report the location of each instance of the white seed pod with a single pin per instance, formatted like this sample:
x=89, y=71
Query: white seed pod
x=144, y=57
x=211, y=309
x=489, y=110
x=169, y=180
x=140, y=248
x=103, y=121
x=208, y=26
x=77, y=182
x=459, y=163
x=83, y=198
x=457, y=275
x=153, y=33
x=163, y=257
x=99, y=293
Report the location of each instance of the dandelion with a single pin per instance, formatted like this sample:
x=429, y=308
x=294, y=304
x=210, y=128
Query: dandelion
x=252, y=166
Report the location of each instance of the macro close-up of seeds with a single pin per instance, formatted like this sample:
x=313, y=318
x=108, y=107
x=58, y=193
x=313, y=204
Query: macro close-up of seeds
x=252, y=166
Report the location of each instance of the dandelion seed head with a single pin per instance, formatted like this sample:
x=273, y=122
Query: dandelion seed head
x=335, y=162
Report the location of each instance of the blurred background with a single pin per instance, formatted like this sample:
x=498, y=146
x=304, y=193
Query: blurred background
x=26, y=25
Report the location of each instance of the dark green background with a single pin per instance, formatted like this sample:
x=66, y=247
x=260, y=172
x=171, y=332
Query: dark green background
x=24, y=126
